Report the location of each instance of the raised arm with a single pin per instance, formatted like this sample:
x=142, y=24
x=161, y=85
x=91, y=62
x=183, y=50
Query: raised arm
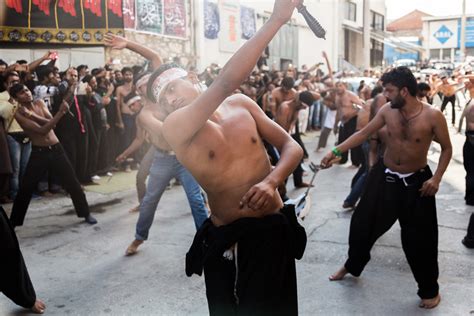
x=231, y=76
x=118, y=42
x=325, y=56
x=32, y=66
x=29, y=125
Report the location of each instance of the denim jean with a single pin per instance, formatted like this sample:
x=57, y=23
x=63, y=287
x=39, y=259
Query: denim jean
x=164, y=168
x=358, y=182
x=19, y=156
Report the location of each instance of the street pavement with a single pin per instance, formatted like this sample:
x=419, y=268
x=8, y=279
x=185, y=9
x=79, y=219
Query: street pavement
x=79, y=269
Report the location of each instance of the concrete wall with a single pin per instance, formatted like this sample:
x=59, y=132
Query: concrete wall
x=167, y=47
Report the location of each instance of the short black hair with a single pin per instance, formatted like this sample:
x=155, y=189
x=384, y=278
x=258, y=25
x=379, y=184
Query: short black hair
x=156, y=74
x=375, y=91
x=80, y=67
x=87, y=78
x=96, y=71
x=288, y=82
x=307, y=98
x=3, y=63
x=13, y=91
x=126, y=69
x=21, y=62
x=43, y=71
x=401, y=77
x=423, y=86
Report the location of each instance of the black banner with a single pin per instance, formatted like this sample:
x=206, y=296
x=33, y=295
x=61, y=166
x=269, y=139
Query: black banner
x=60, y=21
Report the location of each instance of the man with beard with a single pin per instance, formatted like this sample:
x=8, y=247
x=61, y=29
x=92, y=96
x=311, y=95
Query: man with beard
x=125, y=117
x=407, y=187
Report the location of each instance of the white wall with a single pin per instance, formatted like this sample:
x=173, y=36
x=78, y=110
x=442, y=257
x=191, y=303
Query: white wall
x=309, y=47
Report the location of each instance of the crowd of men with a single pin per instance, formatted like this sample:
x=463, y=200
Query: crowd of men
x=64, y=129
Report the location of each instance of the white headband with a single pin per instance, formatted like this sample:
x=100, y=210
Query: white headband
x=143, y=80
x=166, y=77
x=133, y=100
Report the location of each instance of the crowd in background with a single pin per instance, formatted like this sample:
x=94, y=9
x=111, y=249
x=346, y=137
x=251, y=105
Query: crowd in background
x=100, y=126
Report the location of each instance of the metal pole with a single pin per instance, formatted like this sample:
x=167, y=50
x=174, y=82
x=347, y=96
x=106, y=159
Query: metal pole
x=366, y=34
x=462, y=48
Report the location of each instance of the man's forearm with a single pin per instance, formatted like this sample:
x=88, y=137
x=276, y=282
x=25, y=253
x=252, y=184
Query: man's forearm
x=355, y=140
x=290, y=156
x=444, y=159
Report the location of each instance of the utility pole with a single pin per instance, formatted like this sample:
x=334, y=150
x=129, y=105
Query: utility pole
x=462, y=48
x=366, y=34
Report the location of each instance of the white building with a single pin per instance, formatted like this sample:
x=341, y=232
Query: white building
x=443, y=36
x=295, y=43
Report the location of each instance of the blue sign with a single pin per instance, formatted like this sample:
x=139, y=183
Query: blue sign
x=469, y=32
x=443, y=34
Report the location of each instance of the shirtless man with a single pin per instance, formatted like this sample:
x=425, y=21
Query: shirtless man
x=408, y=186
x=46, y=154
x=125, y=119
x=468, y=157
x=358, y=181
x=285, y=92
x=164, y=166
x=217, y=138
x=347, y=114
x=448, y=89
x=287, y=117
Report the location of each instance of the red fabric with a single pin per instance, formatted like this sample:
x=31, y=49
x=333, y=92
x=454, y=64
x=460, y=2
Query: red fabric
x=79, y=115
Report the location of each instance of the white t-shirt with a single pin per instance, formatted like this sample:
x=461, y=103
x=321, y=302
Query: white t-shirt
x=45, y=93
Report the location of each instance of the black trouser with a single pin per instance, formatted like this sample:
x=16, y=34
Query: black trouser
x=75, y=146
x=451, y=99
x=468, y=157
x=298, y=172
x=387, y=199
x=346, y=131
x=45, y=159
x=15, y=281
x=261, y=280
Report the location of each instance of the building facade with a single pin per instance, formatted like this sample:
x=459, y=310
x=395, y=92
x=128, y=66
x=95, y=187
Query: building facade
x=443, y=37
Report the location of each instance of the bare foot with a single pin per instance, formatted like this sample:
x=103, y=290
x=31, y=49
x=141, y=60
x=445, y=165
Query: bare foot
x=339, y=275
x=39, y=307
x=430, y=302
x=133, y=248
x=134, y=209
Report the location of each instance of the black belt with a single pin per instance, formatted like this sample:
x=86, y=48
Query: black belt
x=51, y=148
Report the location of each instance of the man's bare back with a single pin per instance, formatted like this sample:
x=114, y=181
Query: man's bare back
x=345, y=105
x=233, y=162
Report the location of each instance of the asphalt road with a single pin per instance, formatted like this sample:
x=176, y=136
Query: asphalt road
x=79, y=269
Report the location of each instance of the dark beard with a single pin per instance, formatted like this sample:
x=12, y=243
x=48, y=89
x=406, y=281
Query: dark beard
x=397, y=103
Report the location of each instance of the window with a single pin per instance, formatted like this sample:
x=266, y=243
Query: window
x=350, y=11
x=434, y=53
x=377, y=21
